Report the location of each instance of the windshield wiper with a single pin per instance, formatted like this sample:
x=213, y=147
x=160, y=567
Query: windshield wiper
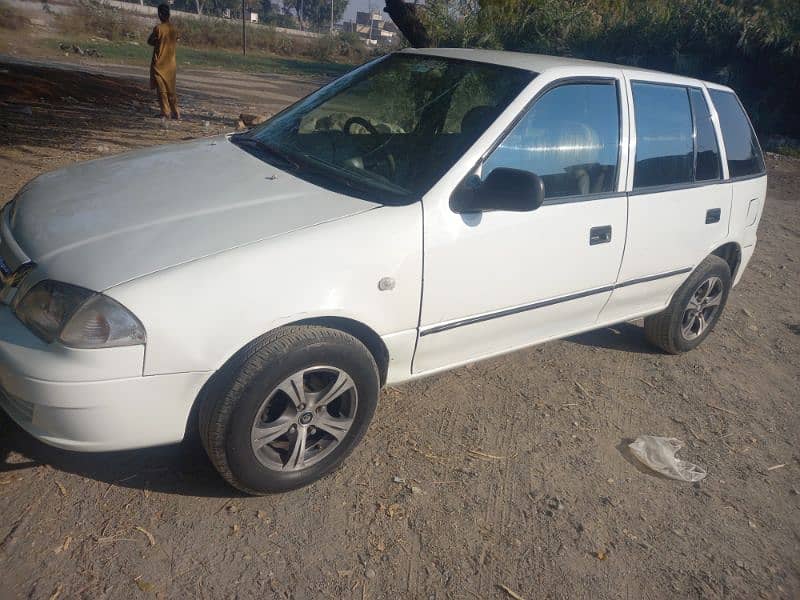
x=270, y=149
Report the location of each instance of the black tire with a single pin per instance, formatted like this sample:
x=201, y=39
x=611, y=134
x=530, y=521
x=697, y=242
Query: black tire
x=229, y=406
x=666, y=329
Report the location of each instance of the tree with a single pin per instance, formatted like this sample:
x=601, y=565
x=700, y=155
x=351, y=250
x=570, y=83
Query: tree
x=751, y=45
x=316, y=13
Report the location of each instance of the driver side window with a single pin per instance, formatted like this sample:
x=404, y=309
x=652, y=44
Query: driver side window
x=569, y=138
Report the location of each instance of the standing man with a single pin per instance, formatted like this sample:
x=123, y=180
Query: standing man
x=164, y=39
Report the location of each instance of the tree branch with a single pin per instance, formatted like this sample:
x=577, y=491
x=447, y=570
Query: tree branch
x=404, y=15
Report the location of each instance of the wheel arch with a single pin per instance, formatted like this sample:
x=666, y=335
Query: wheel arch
x=362, y=332
x=731, y=253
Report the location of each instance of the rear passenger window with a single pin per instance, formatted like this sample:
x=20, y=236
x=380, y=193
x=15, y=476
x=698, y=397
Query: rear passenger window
x=707, y=164
x=741, y=145
x=569, y=138
x=664, y=144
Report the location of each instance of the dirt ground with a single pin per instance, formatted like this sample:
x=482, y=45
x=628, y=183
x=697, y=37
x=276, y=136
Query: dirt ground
x=522, y=485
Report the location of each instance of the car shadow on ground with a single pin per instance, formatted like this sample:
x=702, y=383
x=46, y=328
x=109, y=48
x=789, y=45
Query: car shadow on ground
x=182, y=469
x=623, y=337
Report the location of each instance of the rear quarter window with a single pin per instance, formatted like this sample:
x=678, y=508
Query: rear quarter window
x=741, y=145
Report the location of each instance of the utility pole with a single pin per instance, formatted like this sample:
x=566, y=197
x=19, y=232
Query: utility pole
x=244, y=32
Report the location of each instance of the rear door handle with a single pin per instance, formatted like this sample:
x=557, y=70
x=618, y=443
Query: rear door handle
x=600, y=235
x=713, y=215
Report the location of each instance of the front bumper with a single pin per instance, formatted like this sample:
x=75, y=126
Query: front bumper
x=90, y=400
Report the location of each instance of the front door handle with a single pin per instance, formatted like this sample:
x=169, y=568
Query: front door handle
x=713, y=215
x=600, y=235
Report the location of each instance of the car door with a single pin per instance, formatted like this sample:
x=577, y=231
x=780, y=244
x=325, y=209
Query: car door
x=498, y=280
x=679, y=204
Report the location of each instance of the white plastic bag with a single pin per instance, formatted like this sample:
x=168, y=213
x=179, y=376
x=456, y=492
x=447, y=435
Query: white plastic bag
x=658, y=453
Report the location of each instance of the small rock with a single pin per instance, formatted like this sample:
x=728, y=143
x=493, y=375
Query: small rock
x=416, y=490
x=397, y=479
x=240, y=125
x=370, y=573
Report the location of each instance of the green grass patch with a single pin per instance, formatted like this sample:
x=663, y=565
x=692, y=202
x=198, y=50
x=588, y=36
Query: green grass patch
x=254, y=62
x=788, y=151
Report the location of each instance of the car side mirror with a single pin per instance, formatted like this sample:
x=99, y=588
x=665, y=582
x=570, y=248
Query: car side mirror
x=503, y=189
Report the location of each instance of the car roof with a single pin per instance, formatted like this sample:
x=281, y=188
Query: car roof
x=539, y=63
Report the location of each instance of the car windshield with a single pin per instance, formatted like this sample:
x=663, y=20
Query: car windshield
x=389, y=130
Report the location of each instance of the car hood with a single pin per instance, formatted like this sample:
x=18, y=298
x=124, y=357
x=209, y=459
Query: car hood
x=104, y=222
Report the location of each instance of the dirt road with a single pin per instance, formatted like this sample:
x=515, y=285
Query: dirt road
x=508, y=476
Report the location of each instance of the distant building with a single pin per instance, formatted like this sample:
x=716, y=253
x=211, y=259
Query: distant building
x=372, y=28
x=252, y=16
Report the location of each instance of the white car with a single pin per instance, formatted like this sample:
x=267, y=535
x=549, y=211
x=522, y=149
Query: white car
x=428, y=209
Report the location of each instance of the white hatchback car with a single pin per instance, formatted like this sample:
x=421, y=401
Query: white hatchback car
x=428, y=209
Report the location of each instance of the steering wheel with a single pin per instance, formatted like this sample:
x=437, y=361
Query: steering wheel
x=359, y=121
x=385, y=155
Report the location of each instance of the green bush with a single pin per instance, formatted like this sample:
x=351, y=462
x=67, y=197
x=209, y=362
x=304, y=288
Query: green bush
x=337, y=47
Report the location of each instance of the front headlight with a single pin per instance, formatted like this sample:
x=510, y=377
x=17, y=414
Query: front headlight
x=78, y=317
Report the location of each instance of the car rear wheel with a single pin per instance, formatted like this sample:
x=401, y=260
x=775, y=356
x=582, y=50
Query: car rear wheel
x=289, y=408
x=694, y=310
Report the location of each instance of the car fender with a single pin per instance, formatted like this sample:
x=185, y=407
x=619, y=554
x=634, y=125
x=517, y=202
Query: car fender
x=366, y=268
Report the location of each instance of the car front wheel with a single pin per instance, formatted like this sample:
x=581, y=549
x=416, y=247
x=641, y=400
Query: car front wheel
x=289, y=408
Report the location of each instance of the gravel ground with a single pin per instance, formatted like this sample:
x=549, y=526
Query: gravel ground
x=509, y=478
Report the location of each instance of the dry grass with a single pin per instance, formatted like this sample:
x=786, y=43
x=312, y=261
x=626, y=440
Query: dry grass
x=10, y=19
x=92, y=19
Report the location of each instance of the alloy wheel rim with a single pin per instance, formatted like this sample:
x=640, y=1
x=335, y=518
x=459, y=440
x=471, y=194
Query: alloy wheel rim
x=702, y=308
x=304, y=418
